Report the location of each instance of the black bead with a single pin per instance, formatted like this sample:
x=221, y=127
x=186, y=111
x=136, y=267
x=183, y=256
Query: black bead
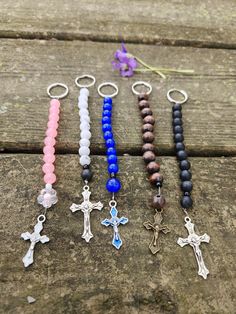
x=177, y=121
x=177, y=107
x=159, y=184
x=177, y=114
x=184, y=164
x=186, y=186
x=86, y=174
x=86, y=166
x=186, y=202
x=181, y=154
x=178, y=137
x=178, y=129
x=179, y=146
x=185, y=175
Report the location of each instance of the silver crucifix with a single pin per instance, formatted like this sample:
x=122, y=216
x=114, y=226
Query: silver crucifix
x=34, y=238
x=86, y=207
x=195, y=241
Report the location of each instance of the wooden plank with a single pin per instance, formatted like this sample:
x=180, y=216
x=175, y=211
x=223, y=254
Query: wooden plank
x=69, y=276
x=28, y=67
x=185, y=22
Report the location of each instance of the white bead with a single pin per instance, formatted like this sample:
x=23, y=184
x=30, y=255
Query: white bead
x=85, y=134
x=84, y=142
x=84, y=151
x=83, y=112
x=84, y=160
x=84, y=126
x=85, y=118
x=82, y=98
x=83, y=105
x=84, y=91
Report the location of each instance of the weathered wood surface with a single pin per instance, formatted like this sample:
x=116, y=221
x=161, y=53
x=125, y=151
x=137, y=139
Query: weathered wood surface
x=28, y=67
x=183, y=22
x=69, y=276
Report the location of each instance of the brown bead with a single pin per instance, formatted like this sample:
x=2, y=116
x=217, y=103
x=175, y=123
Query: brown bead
x=143, y=104
x=153, y=167
x=142, y=97
x=149, y=156
x=149, y=119
x=158, y=202
x=147, y=127
x=148, y=137
x=146, y=112
x=148, y=147
x=156, y=177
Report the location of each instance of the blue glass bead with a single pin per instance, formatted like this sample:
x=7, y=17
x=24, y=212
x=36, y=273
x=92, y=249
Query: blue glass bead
x=106, y=120
x=113, y=185
x=106, y=113
x=112, y=159
x=107, y=135
x=107, y=100
x=107, y=107
x=106, y=127
x=111, y=151
x=113, y=168
x=110, y=143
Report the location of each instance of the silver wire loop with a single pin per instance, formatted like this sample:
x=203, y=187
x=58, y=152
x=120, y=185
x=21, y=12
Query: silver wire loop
x=91, y=77
x=180, y=91
x=108, y=84
x=112, y=203
x=41, y=218
x=63, y=95
x=141, y=83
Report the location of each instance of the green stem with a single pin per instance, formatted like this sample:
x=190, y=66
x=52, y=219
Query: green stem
x=165, y=70
x=150, y=68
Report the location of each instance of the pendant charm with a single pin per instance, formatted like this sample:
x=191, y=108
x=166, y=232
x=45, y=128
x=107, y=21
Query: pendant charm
x=156, y=227
x=115, y=222
x=195, y=241
x=86, y=207
x=34, y=238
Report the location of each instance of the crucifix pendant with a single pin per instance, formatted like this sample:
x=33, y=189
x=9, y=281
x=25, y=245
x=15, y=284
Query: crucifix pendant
x=34, y=238
x=156, y=227
x=195, y=241
x=86, y=207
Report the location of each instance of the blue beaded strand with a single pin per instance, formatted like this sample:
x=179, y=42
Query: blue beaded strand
x=113, y=185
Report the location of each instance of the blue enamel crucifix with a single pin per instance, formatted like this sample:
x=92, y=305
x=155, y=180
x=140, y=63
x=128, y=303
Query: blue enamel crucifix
x=115, y=222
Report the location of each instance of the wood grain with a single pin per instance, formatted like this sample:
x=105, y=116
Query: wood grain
x=185, y=22
x=69, y=276
x=28, y=67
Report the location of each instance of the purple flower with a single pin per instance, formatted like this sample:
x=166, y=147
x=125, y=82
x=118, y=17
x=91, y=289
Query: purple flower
x=124, y=62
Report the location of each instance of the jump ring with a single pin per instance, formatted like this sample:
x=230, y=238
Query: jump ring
x=112, y=203
x=182, y=92
x=108, y=84
x=142, y=83
x=57, y=85
x=41, y=218
x=82, y=77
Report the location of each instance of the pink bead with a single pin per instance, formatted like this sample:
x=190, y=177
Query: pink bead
x=53, y=110
x=52, y=124
x=48, y=168
x=55, y=103
x=51, y=132
x=50, y=178
x=49, y=158
x=50, y=141
x=53, y=117
x=48, y=150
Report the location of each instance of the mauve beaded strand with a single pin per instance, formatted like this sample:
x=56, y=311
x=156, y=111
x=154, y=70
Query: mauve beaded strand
x=152, y=167
x=48, y=196
x=193, y=239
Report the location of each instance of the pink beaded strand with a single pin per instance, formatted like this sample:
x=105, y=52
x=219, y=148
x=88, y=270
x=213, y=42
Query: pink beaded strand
x=50, y=141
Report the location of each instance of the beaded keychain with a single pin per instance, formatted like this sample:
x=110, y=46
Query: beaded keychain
x=152, y=167
x=48, y=196
x=86, y=206
x=186, y=202
x=113, y=184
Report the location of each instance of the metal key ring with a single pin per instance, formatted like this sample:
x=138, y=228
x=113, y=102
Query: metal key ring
x=142, y=83
x=182, y=92
x=57, y=85
x=108, y=84
x=82, y=77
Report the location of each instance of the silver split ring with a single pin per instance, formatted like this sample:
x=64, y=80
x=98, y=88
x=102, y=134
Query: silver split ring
x=182, y=92
x=50, y=87
x=141, y=83
x=91, y=77
x=108, y=84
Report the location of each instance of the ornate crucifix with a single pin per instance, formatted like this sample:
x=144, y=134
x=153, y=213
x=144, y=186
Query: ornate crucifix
x=195, y=241
x=115, y=222
x=156, y=227
x=34, y=238
x=86, y=207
